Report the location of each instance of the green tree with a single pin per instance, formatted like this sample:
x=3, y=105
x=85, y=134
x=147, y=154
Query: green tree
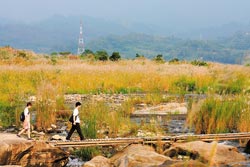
x=86, y=52
x=139, y=56
x=102, y=55
x=159, y=58
x=115, y=56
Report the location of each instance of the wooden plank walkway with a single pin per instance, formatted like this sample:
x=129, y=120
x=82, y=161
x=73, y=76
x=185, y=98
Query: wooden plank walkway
x=152, y=140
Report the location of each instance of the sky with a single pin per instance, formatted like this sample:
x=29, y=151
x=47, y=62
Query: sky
x=190, y=13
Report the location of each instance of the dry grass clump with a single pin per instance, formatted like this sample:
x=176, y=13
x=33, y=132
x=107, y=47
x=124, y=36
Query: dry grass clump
x=48, y=98
x=219, y=114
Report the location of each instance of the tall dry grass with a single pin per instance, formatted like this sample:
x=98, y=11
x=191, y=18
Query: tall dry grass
x=100, y=120
x=19, y=81
x=47, y=99
x=218, y=114
x=127, y=77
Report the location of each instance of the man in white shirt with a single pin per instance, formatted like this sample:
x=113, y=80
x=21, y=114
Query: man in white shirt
x=76, y=123
x=26, y=122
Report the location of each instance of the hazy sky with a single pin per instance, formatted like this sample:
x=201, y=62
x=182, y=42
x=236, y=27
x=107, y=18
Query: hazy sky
x=173, y=12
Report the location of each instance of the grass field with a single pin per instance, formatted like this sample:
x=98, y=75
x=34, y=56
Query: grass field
x=27, y=74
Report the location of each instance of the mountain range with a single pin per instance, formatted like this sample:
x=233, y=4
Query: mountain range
x=227, y=43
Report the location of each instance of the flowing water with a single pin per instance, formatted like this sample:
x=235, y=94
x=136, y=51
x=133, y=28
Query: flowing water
x=75, y=162
x=172, y=126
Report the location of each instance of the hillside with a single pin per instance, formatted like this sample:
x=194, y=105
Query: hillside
x=60, y=33
x=229, y=50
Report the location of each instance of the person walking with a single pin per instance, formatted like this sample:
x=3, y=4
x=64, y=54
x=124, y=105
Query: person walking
x=26, y=122
x=76, y=123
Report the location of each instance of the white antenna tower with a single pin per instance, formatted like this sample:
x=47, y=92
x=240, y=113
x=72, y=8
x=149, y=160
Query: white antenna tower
x=80, y=41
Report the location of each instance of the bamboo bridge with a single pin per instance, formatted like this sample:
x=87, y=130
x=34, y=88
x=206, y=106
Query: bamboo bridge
x=152, y=140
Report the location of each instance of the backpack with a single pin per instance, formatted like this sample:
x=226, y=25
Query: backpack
x=71, y=118
x=22, y=116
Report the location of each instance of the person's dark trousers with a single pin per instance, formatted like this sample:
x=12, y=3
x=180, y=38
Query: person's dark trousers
x=77, y=128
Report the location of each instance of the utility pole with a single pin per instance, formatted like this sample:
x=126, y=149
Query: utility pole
x=80, y=41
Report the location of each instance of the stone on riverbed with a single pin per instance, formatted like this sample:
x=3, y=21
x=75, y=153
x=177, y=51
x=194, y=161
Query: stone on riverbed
x=10, y=166
x=138, y=155
x=191, y=163
x=98, y=161
x=19, y=151
x=58, y=137
x=163, y=109
x=212, y=153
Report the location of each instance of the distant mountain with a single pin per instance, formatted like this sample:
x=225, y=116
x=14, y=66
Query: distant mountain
x=225, y=30
x=57, y=33
x=227, y=43
x=170, y=47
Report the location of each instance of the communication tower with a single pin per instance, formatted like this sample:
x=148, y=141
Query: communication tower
x=80, y=41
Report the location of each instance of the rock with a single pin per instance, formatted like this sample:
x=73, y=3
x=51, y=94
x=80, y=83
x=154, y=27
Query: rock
x=64, y=127
x=10, y=166
x=141, y=105
x=19, y=151
x=247, y=148
x=163, y=109
x=50, y=130
x=98, y=161
x=37, y=133
x=9, y=130
x=142, y=133
x=32, y=98
x=212, y=153
x=53, y=126
x=58, y=137
x=138, y=155
x=41, y=133
x=34, y=132
x=190, y=163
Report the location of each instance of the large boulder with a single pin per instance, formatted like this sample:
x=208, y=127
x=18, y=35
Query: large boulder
x=211, y=153
x=191, y=163
x=19, y=151
x=138, y=155
x=98, y=161
x=10, y=166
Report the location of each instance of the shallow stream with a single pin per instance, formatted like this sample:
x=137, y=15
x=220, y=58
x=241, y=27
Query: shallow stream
x=177, y=127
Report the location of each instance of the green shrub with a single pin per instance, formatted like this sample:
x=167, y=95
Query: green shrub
x=87, y=154
x=89, y=128
x=129, y=90
x=233, y=85
x=7, y=114
x=174, y=60
x=139, y=56
x=53, y=59
x=199, y=63
x=65, y=53
x=54, y=54
x=184, y=85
